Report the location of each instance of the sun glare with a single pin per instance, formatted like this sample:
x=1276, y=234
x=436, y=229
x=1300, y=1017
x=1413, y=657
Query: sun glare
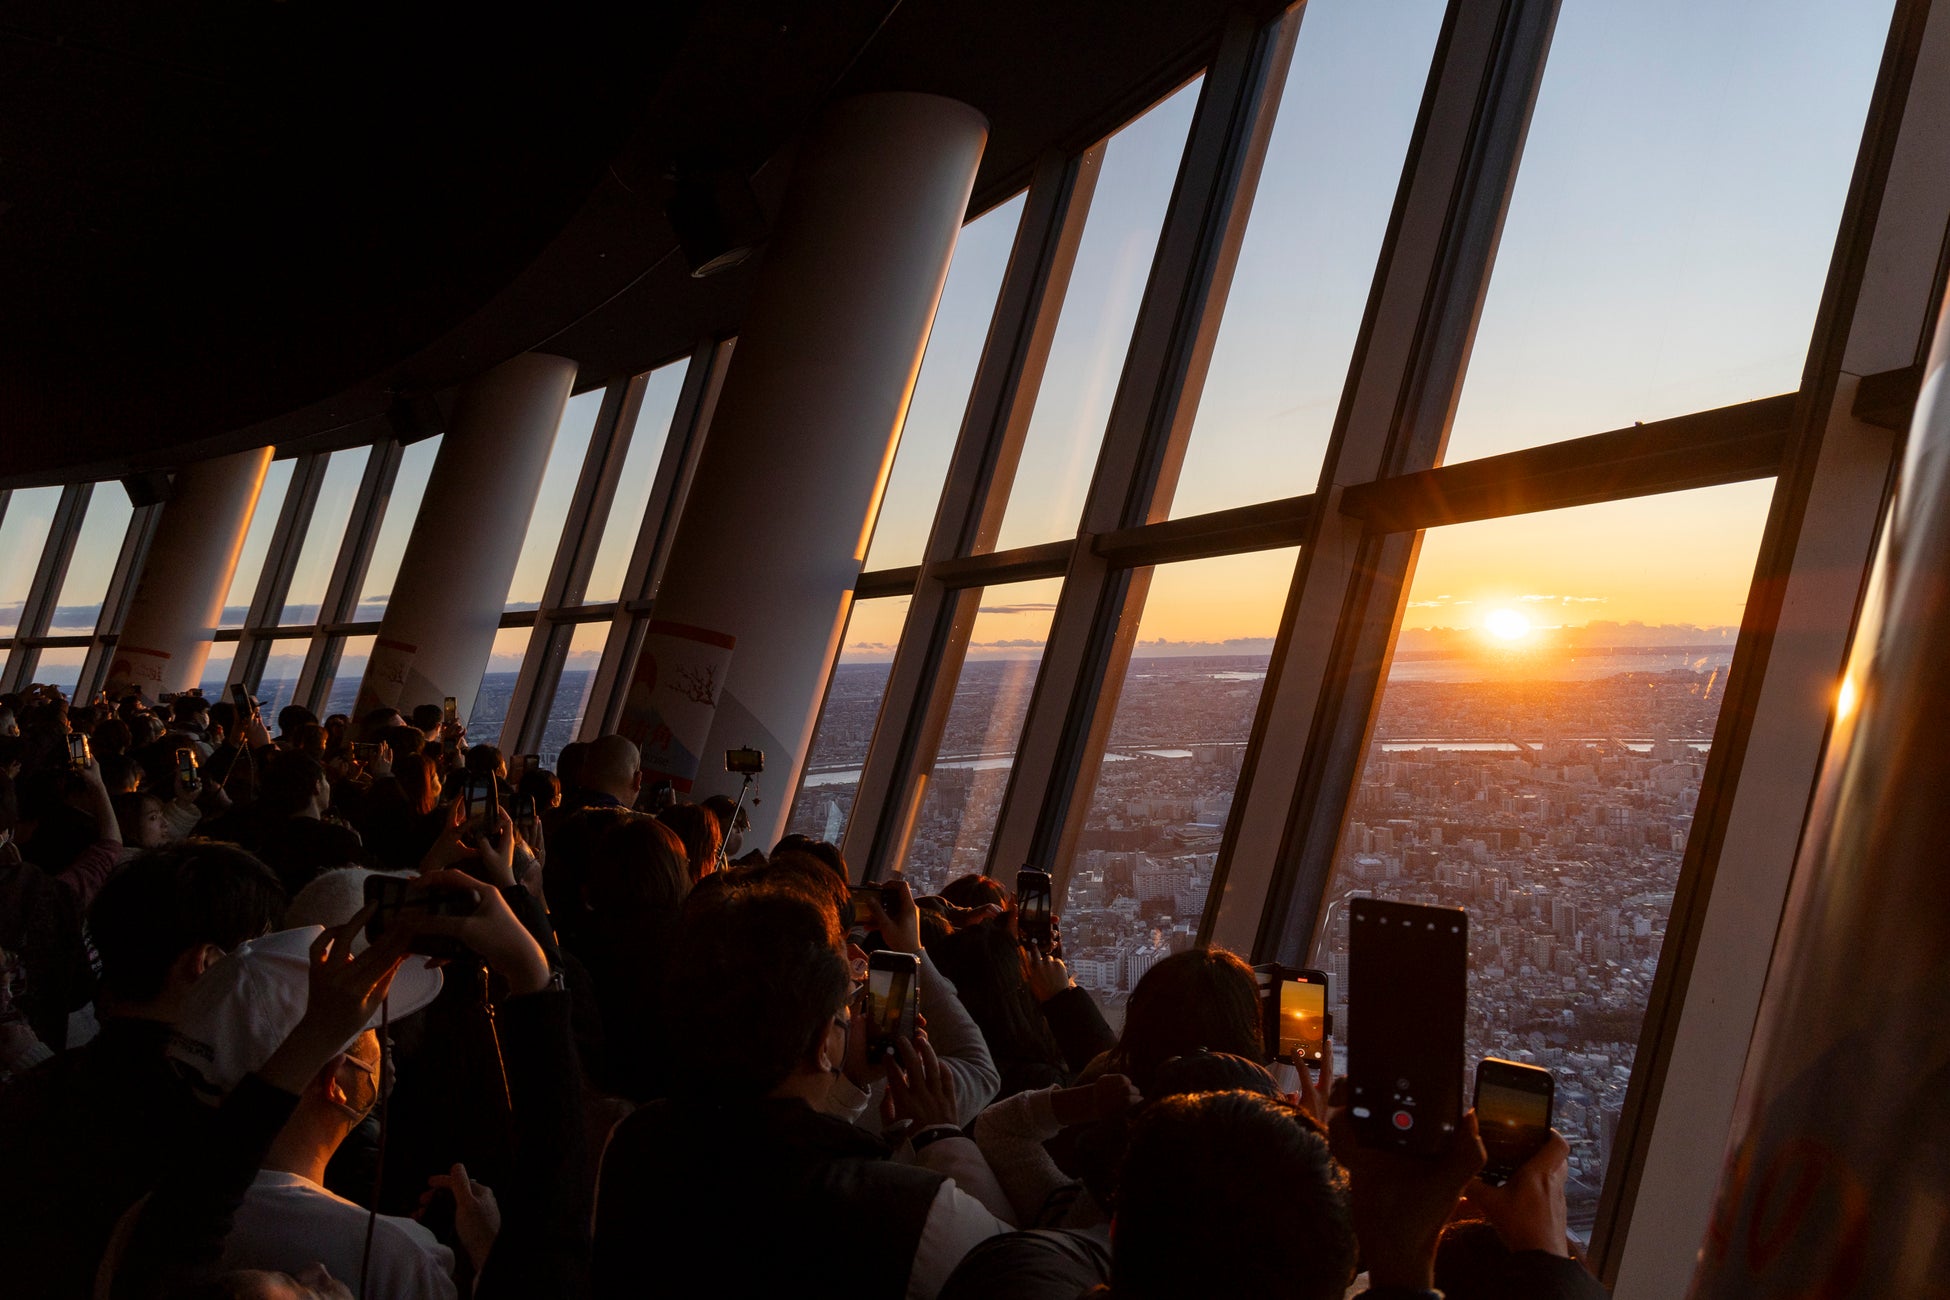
x=1506, y=624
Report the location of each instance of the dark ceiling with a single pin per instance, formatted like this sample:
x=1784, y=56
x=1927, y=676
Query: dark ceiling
x=227, y=224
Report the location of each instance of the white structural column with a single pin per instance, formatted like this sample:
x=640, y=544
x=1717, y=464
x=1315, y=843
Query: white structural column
x=460, y=558
x=782, y=506
x=179, y=600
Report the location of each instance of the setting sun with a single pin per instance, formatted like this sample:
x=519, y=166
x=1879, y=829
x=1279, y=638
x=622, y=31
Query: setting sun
x=1506, y=624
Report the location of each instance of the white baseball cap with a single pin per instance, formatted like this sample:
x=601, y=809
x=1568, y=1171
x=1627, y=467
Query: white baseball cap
x=241, y=1009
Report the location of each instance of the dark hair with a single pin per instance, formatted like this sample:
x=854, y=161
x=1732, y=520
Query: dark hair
x=699, y=834
x=1230, y=1193
x=755, y=978
x=984, y=963
x=169, y=900
x=827, y=855
x=568, y=763
x=1470, y=1261
x=481, y=760
x=186, y=707
x=635, y=863
x=1203, y=1071
x=294, y=718
x=290, y=783
x=111, y=737
x=404, y=741
x=427, y=716
x=725, y=809
x=977, y=890
x=542, y=786
x=1206, y=998
x=224, y=714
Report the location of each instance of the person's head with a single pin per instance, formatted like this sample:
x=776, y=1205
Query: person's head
x=486, y=760
x=1206, y=998
x=568, y=764
x=1234, y=1194
x=292, y=721
x=313, y=1282
x=613, y=766
x=827, y=855
x=428, y=717
x=635, y=864
x=733, y=822
x=418, y=782
x=541, y=785
x=112, y=737
x=223, y=714
x=1470, y=1261
x=312, y=740
x=191, y=711
x=975, y=891
x=405, y=740
x=163, y=919
x=296, y=786
x=375, y=723
x=984, y=963
x=756, y=995
x=140, y=817
x=120, y=774
x=698, y=830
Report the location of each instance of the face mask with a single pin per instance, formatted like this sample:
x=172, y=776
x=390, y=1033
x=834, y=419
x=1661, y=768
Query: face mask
x=363, y=1097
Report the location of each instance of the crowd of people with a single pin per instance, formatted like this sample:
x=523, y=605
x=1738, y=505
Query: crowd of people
x=361, y=1009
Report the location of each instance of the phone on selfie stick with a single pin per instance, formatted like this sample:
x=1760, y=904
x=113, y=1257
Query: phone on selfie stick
x=748, y=763
x=1408, y=968
x=1034, y=892
x=1513, y=1114
x=893, y=1001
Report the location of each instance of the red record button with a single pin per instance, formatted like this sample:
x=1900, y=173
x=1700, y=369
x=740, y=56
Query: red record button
x=1403, y=1120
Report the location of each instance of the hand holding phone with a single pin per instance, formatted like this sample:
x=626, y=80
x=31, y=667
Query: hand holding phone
x=394, y=899
x=1034, y=922
x=1297, y=1023
x=1513, y=1113
x=1407, y=994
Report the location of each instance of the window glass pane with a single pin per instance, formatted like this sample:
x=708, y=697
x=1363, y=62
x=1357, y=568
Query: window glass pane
x=846, y=719
x=660, y=392
x=1308, y=257
x=1059, y=452
x=215, y=683
x=1144, y=859
x=402, y=507
x=934, y=416
x=327, y=532
x=572, y=689
x=279, y=684
x=103, y=529
x=61, y=666
x=1535, y=759
x=344, y=690
x=257, y=542
x=1673, y=221
x=552, y=503
x=23, y=536
x=498, y=686
x=978, y=744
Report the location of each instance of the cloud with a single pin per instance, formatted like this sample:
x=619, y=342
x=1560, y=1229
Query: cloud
x=1016, y=609
x=1440, y=602
x=1566, y=600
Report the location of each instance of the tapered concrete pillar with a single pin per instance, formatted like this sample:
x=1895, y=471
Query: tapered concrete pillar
x=178, y=601
x=460, y=558
x=777, y=521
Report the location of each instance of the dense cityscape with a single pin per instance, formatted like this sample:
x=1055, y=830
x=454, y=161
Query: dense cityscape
x=1553, y=803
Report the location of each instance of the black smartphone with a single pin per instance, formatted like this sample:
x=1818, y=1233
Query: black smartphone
x=1296, y=1016
x=390, y=895
x=186, y=770
x=481, y=806
x=1513, y=1114
x=860, y=905
x=893, y=1001
x=79, y=757
x=531, y=763
x=524, y=816
x=744, y=762
x=365, y=752
x=242, y=699
x=1033, y=924
x=1408, y=968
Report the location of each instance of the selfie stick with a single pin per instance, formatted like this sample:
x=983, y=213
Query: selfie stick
x=724, y=844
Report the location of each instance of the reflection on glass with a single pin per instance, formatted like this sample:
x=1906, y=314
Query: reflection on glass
x=257, y=542
x=1308, y=258
x=92, y=567
x=23, y=536
x=498, y=685
x=402, y=507
x=1059, y=452
x=964, y=788
x=1144, y=859
x=934, y=416
x=215, y=683
x=322, y=540
x=1674, y=216
x=572, y=689
x=846, y=719
x=552, y=502
x=344, y=690
x=639, y=476
x=1536, y=756
x=278, y=685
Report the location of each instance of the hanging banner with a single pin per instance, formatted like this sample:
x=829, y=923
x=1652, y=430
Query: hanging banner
x=673, y=694
x=137, y=669
x=385, y=679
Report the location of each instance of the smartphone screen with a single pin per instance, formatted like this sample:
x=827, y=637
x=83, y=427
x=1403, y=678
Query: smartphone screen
x=1513, y=1114
x=186, y=765
x=1303, y=1017
x=893, y=1000
x=77, y=750
x=861, y=904
x=450, y=711
x=1033, y=906
x=1407, y=987
x=524, y=815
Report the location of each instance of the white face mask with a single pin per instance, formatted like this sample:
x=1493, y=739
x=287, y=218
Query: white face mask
x=370, y=1092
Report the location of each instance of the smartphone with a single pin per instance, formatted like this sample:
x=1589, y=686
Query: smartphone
x=1513, y=1114
x=893, y=1001
x=744, y=762
x=1296, y=1016
x=79, y=757
x=186, y=766
x=861, y=902
x=365, y=752
x=242, y=699
x=481, y=811
x=531, y=763
x=1033, y=923
x=1408, y=968
x=449, y=711
x=391, y=895
x=524, y=816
